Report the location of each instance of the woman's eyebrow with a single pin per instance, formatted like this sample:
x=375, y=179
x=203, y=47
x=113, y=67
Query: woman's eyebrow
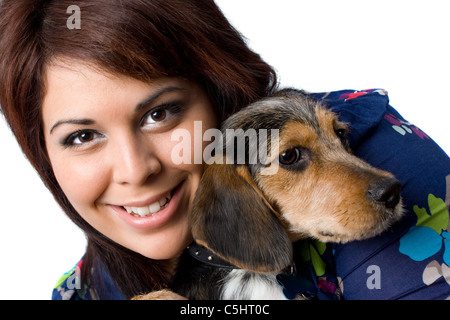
x=85, y=122
x=139, y=106
x=156, y=95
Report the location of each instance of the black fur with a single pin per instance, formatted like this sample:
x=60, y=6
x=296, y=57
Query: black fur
x=198, y=281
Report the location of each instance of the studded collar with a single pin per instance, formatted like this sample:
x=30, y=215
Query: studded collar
x=292, y=282
x=206, y=256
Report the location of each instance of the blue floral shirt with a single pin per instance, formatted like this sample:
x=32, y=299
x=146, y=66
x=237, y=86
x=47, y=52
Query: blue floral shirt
x=409, y=261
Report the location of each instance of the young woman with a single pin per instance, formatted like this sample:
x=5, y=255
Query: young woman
x=94, y=108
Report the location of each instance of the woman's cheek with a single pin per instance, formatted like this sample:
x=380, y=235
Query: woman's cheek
x=82, y=181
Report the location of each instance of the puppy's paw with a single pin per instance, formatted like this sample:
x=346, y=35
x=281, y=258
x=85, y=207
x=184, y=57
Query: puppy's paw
x=159, y=295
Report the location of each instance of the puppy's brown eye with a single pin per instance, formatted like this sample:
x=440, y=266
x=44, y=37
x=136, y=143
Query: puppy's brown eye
x=290, y=156
x=342, y=135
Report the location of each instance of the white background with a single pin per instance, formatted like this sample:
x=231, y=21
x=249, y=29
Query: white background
x=401, y=46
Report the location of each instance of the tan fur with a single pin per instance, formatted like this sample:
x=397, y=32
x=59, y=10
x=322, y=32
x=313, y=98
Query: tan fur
x=250, y=219
x=331, y=191
x=222, y=216
x=159, y=295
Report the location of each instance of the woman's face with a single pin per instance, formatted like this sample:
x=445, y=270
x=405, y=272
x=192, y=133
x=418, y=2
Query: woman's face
x=109, y=143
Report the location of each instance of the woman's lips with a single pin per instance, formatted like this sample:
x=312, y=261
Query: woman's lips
x=151, y=209
x=151, y=217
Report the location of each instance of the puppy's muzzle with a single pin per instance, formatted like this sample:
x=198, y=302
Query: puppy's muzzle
x=385, y=191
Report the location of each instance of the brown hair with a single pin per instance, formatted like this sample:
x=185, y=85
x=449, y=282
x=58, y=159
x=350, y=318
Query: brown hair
x=143, y=39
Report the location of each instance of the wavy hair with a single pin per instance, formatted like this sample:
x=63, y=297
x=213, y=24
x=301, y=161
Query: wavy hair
x=142, y=39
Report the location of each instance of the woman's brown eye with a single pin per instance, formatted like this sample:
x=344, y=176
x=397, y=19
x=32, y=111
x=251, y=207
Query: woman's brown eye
x=81, y=137
x=86, y=137
x=159, y=115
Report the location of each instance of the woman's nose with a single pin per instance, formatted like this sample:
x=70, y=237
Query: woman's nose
x=133, y=161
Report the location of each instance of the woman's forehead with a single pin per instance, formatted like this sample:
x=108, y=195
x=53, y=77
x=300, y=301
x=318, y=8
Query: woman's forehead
x=79, y=90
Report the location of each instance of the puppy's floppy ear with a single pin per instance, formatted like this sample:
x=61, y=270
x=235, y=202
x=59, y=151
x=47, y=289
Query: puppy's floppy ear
x=232, y=219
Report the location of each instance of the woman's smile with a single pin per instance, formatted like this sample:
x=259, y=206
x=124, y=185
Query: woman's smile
x=115, y=117
x=144, y=216
x=109, y=140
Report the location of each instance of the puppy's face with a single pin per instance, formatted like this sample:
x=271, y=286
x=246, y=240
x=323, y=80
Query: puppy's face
x=309, y=185
x=323, y=191
x=320, y=189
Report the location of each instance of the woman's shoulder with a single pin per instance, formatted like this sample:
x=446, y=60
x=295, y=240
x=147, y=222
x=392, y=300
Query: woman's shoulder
x=361, y=110
x=69, y=286
x=413, y=256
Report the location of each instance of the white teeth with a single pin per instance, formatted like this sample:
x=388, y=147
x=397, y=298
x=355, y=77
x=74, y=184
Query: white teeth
x=154, y=207
x=142, y=211
x=151, y=209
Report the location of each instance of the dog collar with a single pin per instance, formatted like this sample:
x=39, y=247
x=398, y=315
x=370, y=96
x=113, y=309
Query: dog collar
x=294, y=283
x=207, y=257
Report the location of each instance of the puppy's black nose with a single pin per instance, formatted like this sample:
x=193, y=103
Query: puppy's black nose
x=386, y=191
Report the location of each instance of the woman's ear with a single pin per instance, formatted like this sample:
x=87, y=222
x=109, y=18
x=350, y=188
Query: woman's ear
x=232, y=219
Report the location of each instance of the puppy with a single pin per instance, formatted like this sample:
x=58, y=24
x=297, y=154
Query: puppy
x=305, y=184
